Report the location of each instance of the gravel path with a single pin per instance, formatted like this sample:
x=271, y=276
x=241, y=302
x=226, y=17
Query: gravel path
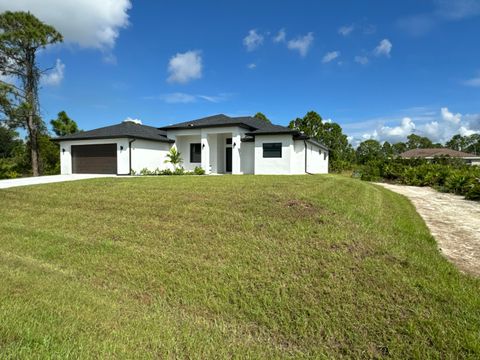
x=453, y=221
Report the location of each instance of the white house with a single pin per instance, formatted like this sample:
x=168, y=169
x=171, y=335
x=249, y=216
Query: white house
x=219, y=144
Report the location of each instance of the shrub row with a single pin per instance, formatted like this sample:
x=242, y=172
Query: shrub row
x=8, y=169
x=178, y=171
x=446, y=175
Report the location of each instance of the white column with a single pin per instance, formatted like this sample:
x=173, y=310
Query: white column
x=236, y=144
x=65, y=159
x=213, y=143
x=205, y=153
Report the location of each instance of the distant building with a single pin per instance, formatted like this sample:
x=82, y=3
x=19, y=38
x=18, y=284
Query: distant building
x=430, y=154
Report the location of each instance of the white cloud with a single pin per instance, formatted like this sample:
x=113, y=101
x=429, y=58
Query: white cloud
x=438, y=127
x=252, y=66
x=346, y=30
x=330, y=56
x=406, y=127
x=384, y=48
x=214, y=98
x=184, y=67
x=253, y=40
x=184, y=98
x=280, y=37
x=302, y=44
x=457, y=9
x=444, y=11
x=450, y=117
x=361, y=60
x=89, y=23
x=475, y=81
x=55, y=76
x=178, y=98
x=133, y=120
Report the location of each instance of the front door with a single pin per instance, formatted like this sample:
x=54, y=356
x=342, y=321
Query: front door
x=228, y=160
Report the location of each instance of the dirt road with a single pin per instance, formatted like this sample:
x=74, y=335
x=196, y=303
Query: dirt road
x=453, y=221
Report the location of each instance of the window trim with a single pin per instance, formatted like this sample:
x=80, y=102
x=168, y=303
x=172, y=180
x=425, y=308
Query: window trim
x=272, y=146
x=192, y=154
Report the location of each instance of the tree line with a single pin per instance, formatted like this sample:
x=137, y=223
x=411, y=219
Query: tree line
x=344, y=157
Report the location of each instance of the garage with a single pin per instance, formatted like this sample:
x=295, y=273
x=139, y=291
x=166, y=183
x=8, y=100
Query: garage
x=94, y=159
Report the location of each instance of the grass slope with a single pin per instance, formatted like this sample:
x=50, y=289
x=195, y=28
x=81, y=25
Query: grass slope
x=230, y=266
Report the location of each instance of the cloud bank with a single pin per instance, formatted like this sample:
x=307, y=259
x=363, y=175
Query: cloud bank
x=88, y=23
x=438, y=126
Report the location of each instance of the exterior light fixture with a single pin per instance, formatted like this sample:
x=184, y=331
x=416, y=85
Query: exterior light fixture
x=234, y=144
x=203, y=145
x=121, y=148
x=63, y=151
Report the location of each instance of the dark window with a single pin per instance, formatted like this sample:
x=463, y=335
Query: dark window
x=195, y=153
x=325, y=155
x=272, y=150
x=229, y=141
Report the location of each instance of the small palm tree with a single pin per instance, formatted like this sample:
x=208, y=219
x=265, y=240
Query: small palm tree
x=174, y=157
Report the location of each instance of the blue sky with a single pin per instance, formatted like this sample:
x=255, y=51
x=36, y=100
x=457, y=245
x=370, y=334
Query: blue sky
x=381, y=69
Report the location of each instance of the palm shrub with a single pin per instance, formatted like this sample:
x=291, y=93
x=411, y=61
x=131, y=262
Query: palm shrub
x=459, y=182
x=174, y=157
x=474, y=191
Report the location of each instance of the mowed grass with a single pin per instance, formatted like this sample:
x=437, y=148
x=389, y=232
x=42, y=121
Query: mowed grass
x=226, y=267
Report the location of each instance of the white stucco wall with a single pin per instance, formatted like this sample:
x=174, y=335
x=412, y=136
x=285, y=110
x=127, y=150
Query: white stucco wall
x=247, y=158
x=183, y=146
x=271, y=166
x=150, y=155
x=145, y=154
x=317, y=159
x=213, y=147
x=298, y=157
x=66, y=156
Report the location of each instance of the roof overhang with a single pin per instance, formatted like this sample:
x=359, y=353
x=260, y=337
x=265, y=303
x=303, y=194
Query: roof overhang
x=112, y=137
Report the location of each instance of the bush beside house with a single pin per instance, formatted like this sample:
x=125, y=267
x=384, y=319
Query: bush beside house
x=443, y=174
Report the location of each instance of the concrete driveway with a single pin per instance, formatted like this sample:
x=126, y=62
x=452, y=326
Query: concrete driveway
x=453, y=221
x=4, y=184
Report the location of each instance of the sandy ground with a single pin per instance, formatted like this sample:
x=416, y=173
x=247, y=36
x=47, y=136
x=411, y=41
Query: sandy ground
x=453, y=221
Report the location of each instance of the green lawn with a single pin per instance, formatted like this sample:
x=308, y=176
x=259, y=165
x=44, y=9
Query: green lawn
x=226, y=267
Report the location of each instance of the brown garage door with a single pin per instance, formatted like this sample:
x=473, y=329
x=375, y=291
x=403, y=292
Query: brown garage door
x=94, y=159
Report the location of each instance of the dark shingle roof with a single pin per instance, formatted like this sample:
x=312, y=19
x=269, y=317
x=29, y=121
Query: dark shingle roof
x=427, y=153
x=255, y=125
x=125, y=129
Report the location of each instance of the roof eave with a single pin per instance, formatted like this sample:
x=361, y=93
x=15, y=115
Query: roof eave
x=171, y=141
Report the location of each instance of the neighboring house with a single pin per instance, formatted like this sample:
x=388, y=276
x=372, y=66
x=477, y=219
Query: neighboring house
x=219, y=144
x=430, y=154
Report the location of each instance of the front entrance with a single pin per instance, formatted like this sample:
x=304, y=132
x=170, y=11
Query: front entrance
x=228, y=159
